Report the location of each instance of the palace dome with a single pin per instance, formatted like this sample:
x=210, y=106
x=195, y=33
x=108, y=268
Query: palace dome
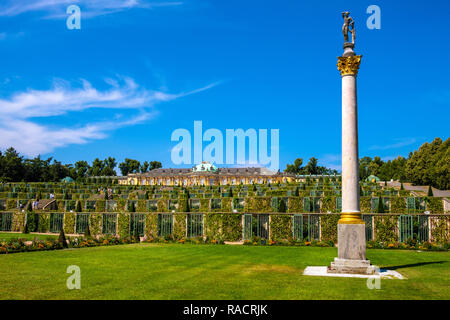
x=204, y=167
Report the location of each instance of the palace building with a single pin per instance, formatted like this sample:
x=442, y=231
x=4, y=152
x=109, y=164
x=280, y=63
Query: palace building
x=207, y=174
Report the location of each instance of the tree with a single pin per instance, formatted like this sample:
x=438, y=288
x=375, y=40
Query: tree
x=155, y=165
x=81, y=169
x=129, y=166
x=430, y=192
x=62, y=238
x=282, y=206
x=380, y=207
x=108, y=168
x=295, y=168
x=144, y=167
x=78, y=207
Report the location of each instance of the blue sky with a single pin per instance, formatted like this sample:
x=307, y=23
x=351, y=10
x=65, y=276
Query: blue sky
x=137, y=70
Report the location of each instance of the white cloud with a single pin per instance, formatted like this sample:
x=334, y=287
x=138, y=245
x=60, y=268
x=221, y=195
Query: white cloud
x=332, y=161
x=18, y=113
x=401, y=143
x=89, y=8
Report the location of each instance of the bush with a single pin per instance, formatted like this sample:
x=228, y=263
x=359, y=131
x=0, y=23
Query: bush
x=62, y=239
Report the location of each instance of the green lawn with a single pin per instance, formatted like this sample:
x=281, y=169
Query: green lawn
x=175, y=271
x=5, y=236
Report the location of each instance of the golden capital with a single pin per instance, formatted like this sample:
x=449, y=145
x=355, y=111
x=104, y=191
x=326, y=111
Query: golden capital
x=349, y=65
x=351, y=218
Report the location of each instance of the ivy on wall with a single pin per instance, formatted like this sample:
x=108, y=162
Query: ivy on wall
x=213, y=225
x=328, y=227
x=179, y=226
x=386, y=228
x=18, y=221
x=162, y=205
x=365, y=204
x=440, y=229
x=100, y=206
x=295, y=204
x=232, y=227
x=95, y=223
x=259, y=204
x=44, y=222
x=123, y=224
x=435, y=205
x=398, y=205
x=69, y=222
x=151, y=225
x=328, y=205
x=280, y=227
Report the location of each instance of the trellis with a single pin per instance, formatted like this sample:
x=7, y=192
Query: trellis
x=247, y=230
x=260, y=225
x=194, y=225
x=413, y=227
x=137, y=224
x=338, y=204
x=6, y=219
x=311, y=227
x=368, y=219
x=311, y=204
x=165, y=224
x=109, y=225
x=56, y=222
x=82, y=222
x=297, y=226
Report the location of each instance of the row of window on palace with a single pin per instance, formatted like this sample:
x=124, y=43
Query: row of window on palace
x=304, y=226
x=202, y=181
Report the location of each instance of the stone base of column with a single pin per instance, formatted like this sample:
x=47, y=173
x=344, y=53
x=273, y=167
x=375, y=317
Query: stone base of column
x=351, y=250
x=349, y=266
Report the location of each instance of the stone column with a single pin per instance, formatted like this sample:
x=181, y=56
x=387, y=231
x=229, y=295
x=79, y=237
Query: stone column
x=351, y=228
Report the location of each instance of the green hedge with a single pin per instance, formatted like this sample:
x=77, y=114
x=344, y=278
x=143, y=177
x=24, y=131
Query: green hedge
x=386, y=228
x=179, y=226
x=69, y=222
x=280, y=227
x=328, y=227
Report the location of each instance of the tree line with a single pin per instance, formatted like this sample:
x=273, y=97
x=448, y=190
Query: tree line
x=15, y=168
x=429, y=165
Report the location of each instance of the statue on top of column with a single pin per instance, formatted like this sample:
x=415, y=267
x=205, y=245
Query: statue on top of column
x=349, y=25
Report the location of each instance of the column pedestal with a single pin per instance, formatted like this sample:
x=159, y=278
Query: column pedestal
x=351, y=251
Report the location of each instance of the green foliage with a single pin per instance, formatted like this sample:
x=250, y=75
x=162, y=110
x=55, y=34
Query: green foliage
x=440, y=229
x=295, y=204
x=44, y=222
x=62, y=239
x=179, y=226
x=430, y=191
x=280, y=227
x=69, y=222
x=123, y=222
x=78, y=207
x=328, y=227
x=95, y=223
x=380, y=207
x=430, y=165
x=282, y=206
x=398, y=205
x=151, y=225
x=435, y=205
x=386, y=228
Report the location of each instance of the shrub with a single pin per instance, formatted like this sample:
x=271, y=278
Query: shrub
x=62, y=238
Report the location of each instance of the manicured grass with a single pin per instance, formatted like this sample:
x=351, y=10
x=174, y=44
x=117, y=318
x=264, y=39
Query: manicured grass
x=175, y=271
x=5, y=236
